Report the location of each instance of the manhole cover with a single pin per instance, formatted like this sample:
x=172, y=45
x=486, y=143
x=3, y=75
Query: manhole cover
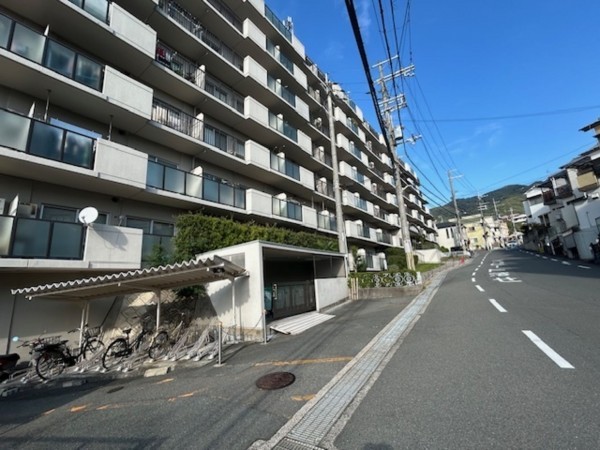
x=275, y=380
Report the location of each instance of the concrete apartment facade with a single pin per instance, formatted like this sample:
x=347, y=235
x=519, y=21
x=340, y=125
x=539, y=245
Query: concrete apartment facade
x=145, y=110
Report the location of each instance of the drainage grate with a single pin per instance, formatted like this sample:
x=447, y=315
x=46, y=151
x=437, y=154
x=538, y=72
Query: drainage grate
x=276, y=380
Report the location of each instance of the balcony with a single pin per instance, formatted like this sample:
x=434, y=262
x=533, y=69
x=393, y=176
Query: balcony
x=203, y=187
x=287, y=209
x=282, y=91
x=277, y=123
x=192, y=24
x=384, y=238
x=228, y=14
x=278, y=24
x=326, y=222
x=45, y=140
x=36, y=47
x=283, y=60
x=325, y=187
x=285, y=166
x=98, y=246
x=191, y=126
x=320, y=154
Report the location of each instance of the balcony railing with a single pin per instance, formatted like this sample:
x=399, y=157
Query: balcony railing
x=36, y=47
x=191, y=126
x=285, y=166
x=325, y=187
x=182, y=66
x=355, y=151
x=284, y=60
x=22, y=237
x=283, y=29
x=277, y=123
x=357, y=176
x=326, y=222
x=280, y=90
x=222, y=92
x=287, y=209
x=97, y=8
x=228, y=14
x=358, y=202
x=204, y=187
x=320, y=154
x=350, y=123
x=191, y=23
x=41, y=139
x=363, y=231
x=385, y=238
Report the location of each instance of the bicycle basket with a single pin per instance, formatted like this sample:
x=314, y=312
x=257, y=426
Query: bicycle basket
x=93, y=331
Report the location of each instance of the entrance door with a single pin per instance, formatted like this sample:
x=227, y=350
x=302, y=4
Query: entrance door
x=290, y=299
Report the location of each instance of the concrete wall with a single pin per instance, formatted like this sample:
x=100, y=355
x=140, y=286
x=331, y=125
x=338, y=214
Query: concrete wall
x=329, y=291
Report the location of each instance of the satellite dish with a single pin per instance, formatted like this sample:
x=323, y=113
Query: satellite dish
x=88, y=215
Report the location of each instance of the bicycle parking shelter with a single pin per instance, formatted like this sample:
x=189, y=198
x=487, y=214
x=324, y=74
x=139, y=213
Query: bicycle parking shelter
x=152, y=279
x=280, y=281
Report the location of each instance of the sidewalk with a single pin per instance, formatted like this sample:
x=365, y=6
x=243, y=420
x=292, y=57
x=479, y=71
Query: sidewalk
x=319, y=421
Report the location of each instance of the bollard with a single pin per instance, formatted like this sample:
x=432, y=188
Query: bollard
x=264, y=325
x=220, y=334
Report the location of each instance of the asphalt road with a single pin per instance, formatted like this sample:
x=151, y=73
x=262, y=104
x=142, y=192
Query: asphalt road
x=469, y=375
x=504, y=356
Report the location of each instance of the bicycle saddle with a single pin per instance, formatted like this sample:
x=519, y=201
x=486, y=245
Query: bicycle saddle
x=127, y=331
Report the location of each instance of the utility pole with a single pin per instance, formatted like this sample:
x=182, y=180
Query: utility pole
x=388, y=105
x=482, y=207
x=339, y=215
x=456, y=211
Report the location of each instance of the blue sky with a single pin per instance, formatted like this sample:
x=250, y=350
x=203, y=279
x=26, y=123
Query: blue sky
x=501, y=87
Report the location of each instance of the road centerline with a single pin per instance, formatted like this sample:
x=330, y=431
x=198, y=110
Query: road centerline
x=497, y=305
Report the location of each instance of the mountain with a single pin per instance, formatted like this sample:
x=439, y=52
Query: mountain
x=507, y=197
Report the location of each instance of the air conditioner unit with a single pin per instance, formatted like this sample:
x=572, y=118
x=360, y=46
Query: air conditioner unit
x=27, y=210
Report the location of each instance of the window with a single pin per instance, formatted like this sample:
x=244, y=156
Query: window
x=67, y=214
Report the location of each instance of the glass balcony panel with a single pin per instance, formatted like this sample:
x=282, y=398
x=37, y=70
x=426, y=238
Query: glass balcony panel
x=60, y=59
x=66, y=241
x=5, y=28
x=193, y=185
x=27, y=43
x=226, y=196
x=79, y=150
x=77, y=2
x=155, y=175
x=46, y=141
x=240, y=198
x=97, y=8
x=31, y=238
x=174, y=180
x=58, y=214
x=14, y=130
x=211, y=190
x=6, y=225
x=88, y=72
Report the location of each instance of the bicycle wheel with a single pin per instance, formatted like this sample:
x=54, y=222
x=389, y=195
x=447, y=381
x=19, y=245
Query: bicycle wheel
x=50, y=363
x=116, y=352
x=160, y=346
x=92, y=347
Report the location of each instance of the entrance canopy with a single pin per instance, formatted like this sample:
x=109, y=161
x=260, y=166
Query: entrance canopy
x=172, y=276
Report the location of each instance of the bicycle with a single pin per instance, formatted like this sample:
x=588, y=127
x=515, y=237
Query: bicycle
x=164, y=341
x=52, y=355
x=122, y=347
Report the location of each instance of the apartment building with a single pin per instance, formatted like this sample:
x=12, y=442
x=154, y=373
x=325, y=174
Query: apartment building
x=145, y=110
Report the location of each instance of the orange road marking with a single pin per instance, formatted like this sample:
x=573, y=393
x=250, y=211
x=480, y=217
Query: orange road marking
x=166, y=380
x=78, y=408
x=49, y=412
x=306, y=361
x=302, y=398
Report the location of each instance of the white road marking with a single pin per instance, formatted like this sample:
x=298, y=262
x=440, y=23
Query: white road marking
x=583, y=267
x=473, y=280
x=544, y=257
x=559, y=360
x=566, y=263
x=497, y=305
x=553, y=259
x=480, y=288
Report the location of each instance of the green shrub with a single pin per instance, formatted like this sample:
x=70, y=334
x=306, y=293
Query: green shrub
x=384, y=279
